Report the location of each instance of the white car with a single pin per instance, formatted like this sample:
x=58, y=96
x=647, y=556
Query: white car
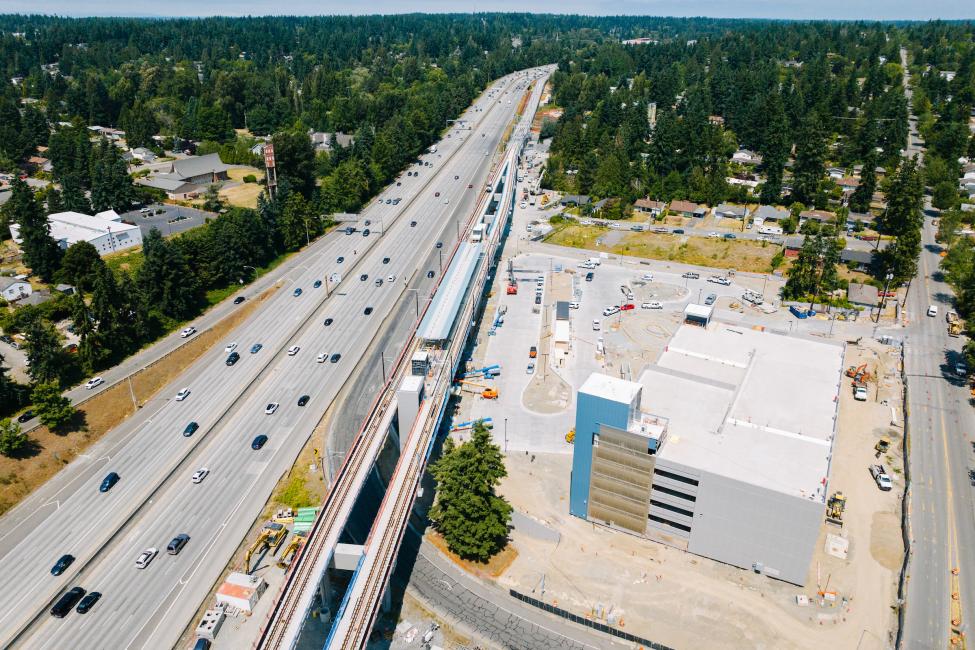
x=530, y=370
x=595, y=325
x=446, y=201
x=188, y=331
x=720, y=279
x=293, y=350
x=523, y=205
x=145, y=557
x=230, y=348
x=932, y=310
x=713, y=235
x=321, y=357
x=271, y=408
x=573, y=305
x=647, y=277
x=183, y=394
x=391, y=278
x=94, y=381
x=609, y=311
x=200, y=474
x=653, y=304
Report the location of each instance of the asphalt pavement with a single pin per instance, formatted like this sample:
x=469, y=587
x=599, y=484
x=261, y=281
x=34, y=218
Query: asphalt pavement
x=168, y=219
x=155, y=500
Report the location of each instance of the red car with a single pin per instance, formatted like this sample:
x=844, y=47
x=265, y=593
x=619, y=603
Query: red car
x=627, y=307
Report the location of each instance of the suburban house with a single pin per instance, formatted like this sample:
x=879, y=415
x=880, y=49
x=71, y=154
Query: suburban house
x=769, y=213
x=792, y=244
x=647, y=206
x=865, y=218
x=600, y=204
x=174, y=188
x=857, y=260
x=143, y=154
x=848, y=184
x=688, y=209
x=731, y=211
x=835, y=173
x=323, y=141
x=12, y=289
x=200, y=170
x=746, y=157
x=40, y=163
x=574, y=199
x=862, y=294
x=822, y=216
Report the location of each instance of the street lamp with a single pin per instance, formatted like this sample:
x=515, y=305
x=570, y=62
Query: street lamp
x=506, y=435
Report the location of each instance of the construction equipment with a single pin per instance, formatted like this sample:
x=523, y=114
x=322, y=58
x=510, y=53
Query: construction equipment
x=296, y=543
x=853, y=371
x=486, y=371
x=955, y=324
x=487, y=392
x=571, y=435
x=270, y=537
x=835, y=507
x=881, y=447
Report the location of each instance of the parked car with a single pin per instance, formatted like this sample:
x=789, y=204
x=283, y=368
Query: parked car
x=653, y=304
x=720, y=279
x=609, y=311
x=589, y=276
x=860, y=393
x=881, y=477
x=627, y=307
x=26, y=416
x=932, y=310
x=712, y=297
x=800, y=313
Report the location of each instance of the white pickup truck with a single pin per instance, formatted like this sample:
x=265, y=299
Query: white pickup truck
x=879, y=475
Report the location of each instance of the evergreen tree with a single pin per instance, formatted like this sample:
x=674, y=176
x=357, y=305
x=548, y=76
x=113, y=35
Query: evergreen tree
x=53, y=409
x=41, y=253
x=294, y=221
x=12, y=394
x=12, y=439
x=810, y=167
x=863, y=194
x=775, y=152
x=111, y=185
x=73, y=195
x=814, y=271
x=45, y=357
x=80, y=265
x=165, y=278
x=469, y=514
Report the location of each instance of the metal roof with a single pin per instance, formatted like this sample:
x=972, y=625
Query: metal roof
x=439, y=319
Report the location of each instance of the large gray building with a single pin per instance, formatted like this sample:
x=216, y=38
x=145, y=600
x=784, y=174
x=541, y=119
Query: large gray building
x=733, y=462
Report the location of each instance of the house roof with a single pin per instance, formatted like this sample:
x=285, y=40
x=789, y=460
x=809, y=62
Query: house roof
x=578, y=199
x=865, y=217
x=856, y=256
x=168, y=183
x=771, y=213
x=6, y=283
x=730, y=208
x=197, y=165
x=848, y=181
x=817, y=215
x=649, y=204
x=683, y=206
x=862, y=294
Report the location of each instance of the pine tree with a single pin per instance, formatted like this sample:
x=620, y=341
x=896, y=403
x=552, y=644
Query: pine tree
x=53, y=409
x=863, y=194
x=166, y=280
x=12, y=439
x=776, y=149
x=41, y=253
x=810, y=168
x=80, y=265
x=469, y=514
x=45, y=358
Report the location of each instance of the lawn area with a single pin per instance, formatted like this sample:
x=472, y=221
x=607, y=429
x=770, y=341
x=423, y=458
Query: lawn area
x=738, y=254
x=129, y=261
x=243, y=195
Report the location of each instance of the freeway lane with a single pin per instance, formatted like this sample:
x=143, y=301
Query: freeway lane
x=242, y=478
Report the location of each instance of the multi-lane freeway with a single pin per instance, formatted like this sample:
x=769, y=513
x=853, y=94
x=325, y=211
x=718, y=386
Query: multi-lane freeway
x=362, y=279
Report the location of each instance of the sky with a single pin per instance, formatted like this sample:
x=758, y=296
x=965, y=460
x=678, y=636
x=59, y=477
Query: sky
x=794, y=9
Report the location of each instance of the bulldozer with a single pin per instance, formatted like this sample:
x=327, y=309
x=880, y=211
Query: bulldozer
x=835, y=507
x=294, y=546
x=270, y=537
x=881, y=447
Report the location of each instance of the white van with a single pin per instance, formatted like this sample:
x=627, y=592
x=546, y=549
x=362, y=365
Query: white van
x=594, y=261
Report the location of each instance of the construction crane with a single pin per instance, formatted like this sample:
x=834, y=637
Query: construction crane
x=296, y=543
x=271, y=536
x=835, y=507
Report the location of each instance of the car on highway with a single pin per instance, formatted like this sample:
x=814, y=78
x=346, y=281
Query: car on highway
x=230, y=348
x=729, y=235
x=653, y=304
x=446, y=201
x=63, y=607
x=379, y=282
x=328, y=321
x=297, y=292
x=678, y=231
x=25, y=416
x=412, y=224
x=340, y=260
x=190, y=429
x=177, y=543
x=365, y=233
x=93, y=382
x=589, y=276
x=691, y=275
x=647, y=277
x=293, y=350
x=437, y=194
x=367, y=311
x=439, y=244
x=200, y=474
x=456, y=177
x=109, y=481
x=385, y=260
x=391, y=278
x=271, y=408
x=710, y=299
x=256, y=348
x=145, y=557
x=532, y=352
x=183, y=394
x=335, y=358
x=63, y=563
x=88, y=602
x=522, y=205
x=303, y=400
x=713, y=235
x=317, y=284
x=259, y=442
x=187, y=332
x=429, y=274
x=233, y=358
x=239, y=299
x=349, y=230
x=322, y=357
x=471, y=185
x=720, y=279
x=363, y=277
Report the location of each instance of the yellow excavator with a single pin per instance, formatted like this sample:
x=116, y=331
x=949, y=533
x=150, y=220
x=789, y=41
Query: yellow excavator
x=294, y=546
x=835, y=507
x=271, y=536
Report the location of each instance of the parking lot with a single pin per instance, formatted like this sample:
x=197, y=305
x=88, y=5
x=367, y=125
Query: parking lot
x=173, y=219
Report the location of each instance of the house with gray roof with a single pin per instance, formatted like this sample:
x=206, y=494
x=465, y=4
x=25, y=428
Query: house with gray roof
x=770, y=213
x=731, y=211
x=13, y=289
x=857, y=260
x=199, y=170
x=862, y=294
x=173, y=187
x=574, y=199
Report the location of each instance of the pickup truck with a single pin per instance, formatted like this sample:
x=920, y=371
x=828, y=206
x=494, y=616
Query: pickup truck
x=879, y=475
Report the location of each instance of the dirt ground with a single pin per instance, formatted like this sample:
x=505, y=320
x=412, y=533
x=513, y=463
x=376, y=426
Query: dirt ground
x=243, y=195
x=51, y=451
x=739, y=254
x=679, y=599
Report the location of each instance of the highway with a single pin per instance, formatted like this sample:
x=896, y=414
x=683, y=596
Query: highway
x=942, y=442
x=155, y=499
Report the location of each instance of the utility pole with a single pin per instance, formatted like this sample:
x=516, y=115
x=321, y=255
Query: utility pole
x=883, y=297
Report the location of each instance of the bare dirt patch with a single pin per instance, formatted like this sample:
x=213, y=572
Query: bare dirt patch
x=886, y=546
x=51, y=451
x=491, y=569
